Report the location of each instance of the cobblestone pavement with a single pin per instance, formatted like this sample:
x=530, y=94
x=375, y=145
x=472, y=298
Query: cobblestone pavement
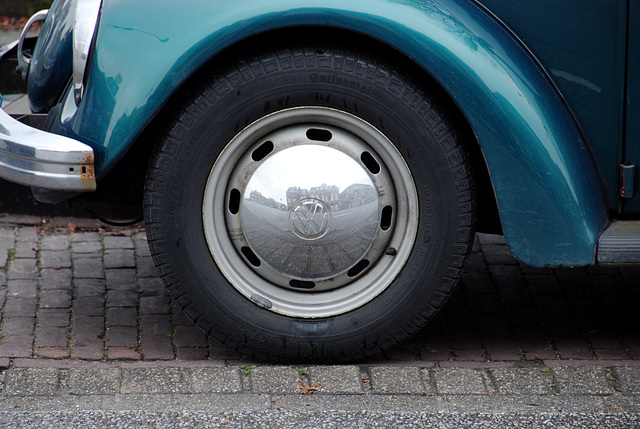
x=73, y=290
x=84, y=314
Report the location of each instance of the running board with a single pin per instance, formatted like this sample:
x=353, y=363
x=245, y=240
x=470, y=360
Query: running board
x=620, y=243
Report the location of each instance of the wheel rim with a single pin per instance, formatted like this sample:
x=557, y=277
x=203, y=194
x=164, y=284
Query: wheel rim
x=310, y=212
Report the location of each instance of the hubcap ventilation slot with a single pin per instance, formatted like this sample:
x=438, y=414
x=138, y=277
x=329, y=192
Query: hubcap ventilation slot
x=319, y=135
x=370, y=162
x=251, y=257
x=234, y=201
x=262, y=151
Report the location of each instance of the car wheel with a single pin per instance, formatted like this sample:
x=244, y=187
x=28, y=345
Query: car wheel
x=310, y=203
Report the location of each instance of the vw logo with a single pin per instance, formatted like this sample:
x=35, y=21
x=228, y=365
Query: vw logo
x=310, y=218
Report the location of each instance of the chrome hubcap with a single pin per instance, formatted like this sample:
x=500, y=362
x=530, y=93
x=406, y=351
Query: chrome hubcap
x=310, y=212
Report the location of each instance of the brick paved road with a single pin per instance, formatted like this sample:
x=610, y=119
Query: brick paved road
x=72, y=291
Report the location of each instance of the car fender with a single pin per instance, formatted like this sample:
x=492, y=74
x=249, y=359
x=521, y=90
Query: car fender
x=549, y=194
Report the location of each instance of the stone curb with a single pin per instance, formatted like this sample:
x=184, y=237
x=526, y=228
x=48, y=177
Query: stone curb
x=610, y=383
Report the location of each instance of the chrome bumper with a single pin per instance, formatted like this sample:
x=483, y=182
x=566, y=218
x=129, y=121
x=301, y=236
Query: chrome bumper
x=44, y=160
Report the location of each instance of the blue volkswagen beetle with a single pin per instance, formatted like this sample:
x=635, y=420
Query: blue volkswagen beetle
x=312, y=174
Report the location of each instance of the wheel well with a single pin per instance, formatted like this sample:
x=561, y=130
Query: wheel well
x=126, y=181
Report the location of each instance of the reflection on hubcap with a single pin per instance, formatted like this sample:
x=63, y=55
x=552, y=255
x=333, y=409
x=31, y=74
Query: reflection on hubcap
x=310, y=219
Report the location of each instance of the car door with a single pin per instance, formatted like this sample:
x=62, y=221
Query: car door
x=581, y=44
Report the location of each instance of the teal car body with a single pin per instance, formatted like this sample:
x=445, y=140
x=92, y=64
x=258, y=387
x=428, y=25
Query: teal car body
x=546, y=106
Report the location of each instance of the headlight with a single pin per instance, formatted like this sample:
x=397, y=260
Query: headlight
x=86, y=22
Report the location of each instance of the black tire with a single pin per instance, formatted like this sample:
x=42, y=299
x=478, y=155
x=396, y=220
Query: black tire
x=352, y=83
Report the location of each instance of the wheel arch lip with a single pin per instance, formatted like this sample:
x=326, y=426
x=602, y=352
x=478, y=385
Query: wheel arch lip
x=549, y=194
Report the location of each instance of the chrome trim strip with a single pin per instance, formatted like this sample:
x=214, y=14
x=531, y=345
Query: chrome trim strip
x=37, y=158
x=86, y=22
x=24, y=62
